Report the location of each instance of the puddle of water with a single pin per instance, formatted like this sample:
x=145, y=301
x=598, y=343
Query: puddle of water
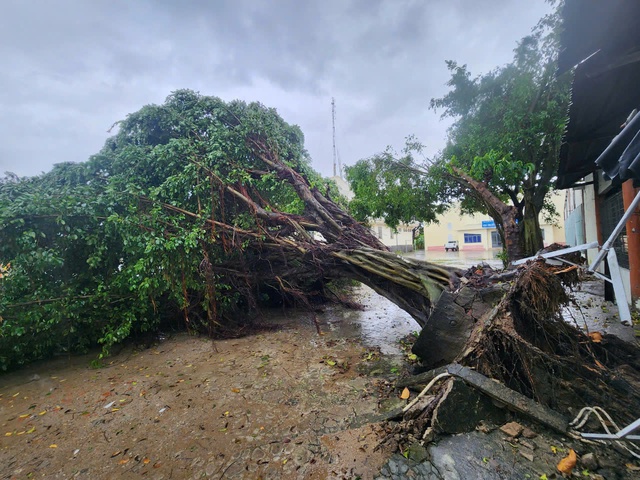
x=382, y=323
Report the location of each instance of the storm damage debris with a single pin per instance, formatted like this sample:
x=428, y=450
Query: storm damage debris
x=487, y=357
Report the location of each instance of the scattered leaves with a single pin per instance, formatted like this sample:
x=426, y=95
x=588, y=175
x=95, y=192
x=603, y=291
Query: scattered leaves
x=567, y=463
x=596, y=337
x=405, y=394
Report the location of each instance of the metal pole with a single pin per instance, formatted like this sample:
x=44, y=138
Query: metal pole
x=614, y=235
x=333, y=122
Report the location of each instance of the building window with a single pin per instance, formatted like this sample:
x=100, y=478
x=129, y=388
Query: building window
x=379, y=232
x=391, y=233
x=612, y=209
x=496, y=240
x=472, y=238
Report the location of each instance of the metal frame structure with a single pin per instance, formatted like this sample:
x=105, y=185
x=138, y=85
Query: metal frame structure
x=609, y=252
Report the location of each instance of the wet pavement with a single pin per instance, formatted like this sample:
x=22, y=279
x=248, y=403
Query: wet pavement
x=460, y=259
x=380, y=325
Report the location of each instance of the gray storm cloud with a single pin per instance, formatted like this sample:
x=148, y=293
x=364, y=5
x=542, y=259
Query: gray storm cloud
x=72, y=68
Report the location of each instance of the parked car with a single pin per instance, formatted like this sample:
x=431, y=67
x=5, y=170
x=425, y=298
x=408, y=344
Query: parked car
x=452, y=245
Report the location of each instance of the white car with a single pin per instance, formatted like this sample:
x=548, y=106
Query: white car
x=452, y=245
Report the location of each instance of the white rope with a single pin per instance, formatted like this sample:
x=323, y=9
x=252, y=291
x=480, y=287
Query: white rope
x=425, y=390
x=584, y=415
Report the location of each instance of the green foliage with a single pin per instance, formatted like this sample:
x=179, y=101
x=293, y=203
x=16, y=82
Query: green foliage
x=508, y=128
x=393, y=188
x=96, y=255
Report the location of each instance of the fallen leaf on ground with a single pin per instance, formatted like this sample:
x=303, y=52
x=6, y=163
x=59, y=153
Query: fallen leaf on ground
x=405, y=394
x=567, y=463
x=596, y=337
x=53, y=445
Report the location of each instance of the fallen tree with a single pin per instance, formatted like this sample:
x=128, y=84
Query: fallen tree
x=196, y=209
x=203, y=210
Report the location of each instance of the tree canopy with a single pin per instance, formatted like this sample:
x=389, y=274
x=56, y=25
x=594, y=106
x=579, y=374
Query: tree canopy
x=503, y=146
x=391, y=188
x=195, y=210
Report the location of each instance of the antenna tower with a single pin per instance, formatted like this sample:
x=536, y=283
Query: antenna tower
x=333, y=121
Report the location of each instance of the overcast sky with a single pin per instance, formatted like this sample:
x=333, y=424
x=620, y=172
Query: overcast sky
x=71, y=68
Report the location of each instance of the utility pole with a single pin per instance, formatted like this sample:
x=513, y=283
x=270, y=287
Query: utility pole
x=333, y=121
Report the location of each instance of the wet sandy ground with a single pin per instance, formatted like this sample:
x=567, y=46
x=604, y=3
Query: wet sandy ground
x=281, y=404
x=287, y=403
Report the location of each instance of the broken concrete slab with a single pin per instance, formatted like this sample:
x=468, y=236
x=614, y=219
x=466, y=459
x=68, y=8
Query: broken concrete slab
x=451, y=322
x=458, y=398
x=513, y=400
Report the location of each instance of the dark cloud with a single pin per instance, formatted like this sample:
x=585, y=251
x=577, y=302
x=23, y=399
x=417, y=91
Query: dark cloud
x=72, y=67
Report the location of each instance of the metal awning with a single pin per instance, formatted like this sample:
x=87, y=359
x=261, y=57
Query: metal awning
x=605, y=38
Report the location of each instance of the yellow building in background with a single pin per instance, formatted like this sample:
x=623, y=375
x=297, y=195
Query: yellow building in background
x=478, y=232
x=399, y=239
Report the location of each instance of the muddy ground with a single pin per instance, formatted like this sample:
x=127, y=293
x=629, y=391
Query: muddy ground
x=283, y=403
x=286, y=402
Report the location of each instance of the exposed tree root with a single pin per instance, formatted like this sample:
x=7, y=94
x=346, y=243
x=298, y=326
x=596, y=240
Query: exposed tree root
x=526, y=345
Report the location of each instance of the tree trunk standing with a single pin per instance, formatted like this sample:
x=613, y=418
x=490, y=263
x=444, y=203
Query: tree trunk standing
x=506, y=214
x=530, y=232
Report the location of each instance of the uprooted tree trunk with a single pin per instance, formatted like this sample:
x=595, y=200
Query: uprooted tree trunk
x=289, y=253
x=524, y=343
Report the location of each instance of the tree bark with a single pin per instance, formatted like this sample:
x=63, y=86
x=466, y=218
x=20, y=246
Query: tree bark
x=507, y=214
